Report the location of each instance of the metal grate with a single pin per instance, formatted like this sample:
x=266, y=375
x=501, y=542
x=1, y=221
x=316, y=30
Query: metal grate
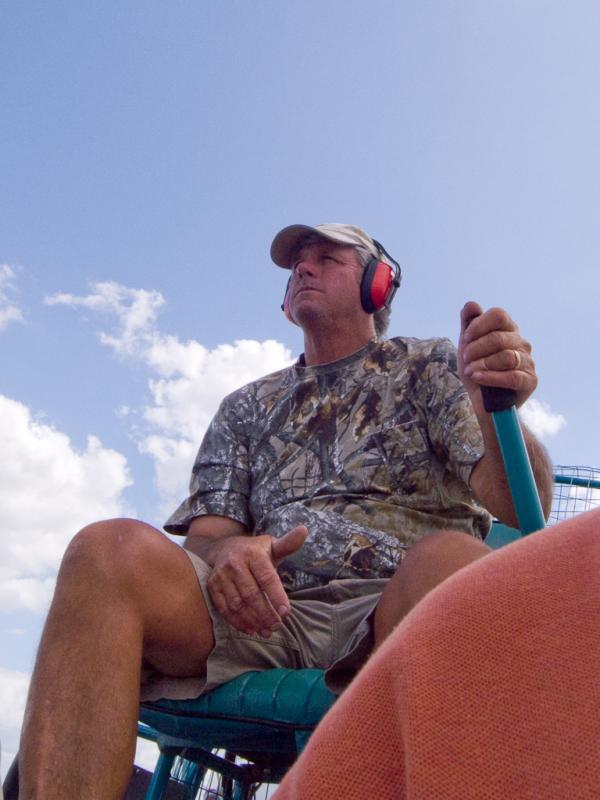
x=199, y=783
x=576, y=489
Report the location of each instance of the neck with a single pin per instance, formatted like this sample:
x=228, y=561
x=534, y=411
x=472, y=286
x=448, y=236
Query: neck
x=324, y=346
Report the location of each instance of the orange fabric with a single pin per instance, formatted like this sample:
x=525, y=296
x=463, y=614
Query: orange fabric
x=489, y=688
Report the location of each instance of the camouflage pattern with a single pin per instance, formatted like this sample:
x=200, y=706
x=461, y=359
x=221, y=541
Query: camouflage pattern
x=370, y=452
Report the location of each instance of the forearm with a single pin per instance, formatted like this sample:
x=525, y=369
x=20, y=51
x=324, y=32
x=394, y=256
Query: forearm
x=542, y=469
x=207, y=535
x=488, y=479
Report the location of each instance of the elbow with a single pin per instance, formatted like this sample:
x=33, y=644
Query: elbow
x=542, y=471
x=546, y=496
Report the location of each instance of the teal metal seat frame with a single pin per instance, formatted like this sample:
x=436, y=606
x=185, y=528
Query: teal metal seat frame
x=264, y=718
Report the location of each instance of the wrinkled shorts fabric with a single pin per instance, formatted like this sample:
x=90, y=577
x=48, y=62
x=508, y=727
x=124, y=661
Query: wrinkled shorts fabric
x=329, y=627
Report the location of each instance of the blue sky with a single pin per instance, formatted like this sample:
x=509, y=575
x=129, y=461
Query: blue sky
x=151, y=150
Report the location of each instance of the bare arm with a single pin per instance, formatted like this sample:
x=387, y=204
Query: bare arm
x=492, y=352
x=488, y=478
x=207, y=534
x=244, y=585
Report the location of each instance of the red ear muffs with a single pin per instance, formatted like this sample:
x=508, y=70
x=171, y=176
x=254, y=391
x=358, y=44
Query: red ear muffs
x=377, y=286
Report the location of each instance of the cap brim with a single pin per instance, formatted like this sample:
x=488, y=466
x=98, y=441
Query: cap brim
x=286, y=241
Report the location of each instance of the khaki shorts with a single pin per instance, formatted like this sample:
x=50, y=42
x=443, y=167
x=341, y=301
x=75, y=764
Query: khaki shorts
x=329, y=627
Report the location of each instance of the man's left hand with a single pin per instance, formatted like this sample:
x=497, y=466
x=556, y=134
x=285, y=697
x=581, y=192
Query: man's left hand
x=492, y=352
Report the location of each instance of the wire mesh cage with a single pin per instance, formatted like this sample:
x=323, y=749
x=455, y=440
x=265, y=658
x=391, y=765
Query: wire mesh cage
x=199, y=783
x=576, y=489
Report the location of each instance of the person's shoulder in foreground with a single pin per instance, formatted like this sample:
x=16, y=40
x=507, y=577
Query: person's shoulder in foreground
x=488, y=689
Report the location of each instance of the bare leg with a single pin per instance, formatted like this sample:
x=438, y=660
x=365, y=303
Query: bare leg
x=124, y=591
x=430, y=561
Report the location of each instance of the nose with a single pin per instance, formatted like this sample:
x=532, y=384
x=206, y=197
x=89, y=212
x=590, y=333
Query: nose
x=305, y=267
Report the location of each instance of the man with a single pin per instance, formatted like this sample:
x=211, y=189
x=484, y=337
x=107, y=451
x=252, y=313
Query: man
x=326, y=501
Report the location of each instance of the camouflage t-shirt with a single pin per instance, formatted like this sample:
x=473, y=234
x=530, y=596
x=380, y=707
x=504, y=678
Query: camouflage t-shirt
x=370, y=452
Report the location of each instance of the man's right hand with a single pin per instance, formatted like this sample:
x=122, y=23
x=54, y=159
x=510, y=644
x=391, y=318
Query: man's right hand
x=244, y=585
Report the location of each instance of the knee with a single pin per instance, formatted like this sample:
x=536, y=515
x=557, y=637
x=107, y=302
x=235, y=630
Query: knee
x=446, y=547
x=109, y=550
x=429, y=561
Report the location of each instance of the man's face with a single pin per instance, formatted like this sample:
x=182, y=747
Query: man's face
x=325, y=283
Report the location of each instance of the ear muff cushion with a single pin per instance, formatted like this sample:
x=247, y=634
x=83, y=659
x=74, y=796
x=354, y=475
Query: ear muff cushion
x=375, y=286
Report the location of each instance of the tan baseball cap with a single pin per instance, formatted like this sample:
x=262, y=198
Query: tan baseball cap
x=285, y=243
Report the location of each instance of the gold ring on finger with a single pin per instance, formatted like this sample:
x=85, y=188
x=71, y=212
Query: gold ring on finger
x=518, y=362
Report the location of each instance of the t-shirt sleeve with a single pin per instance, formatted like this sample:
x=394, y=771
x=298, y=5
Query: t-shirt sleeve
x=220, y=482
x=453, y=428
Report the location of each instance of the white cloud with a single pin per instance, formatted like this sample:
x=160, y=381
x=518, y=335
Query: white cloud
x=13, y=694
x=189, y=383
x=540, y=419
x=9, y=310
x=185, y=402
x=48, y=490
x=135, y=309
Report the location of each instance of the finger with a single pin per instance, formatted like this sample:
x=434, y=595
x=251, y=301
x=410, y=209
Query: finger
x=230, y=600
x=505, y=360
x=250, y=587
x=494, y=319
x=229, y=603
x=521, y=382
x=270, y=584
x=470, y=310
x=230, y=587
x=495, y=342
x=286, y=545
x=245, y=620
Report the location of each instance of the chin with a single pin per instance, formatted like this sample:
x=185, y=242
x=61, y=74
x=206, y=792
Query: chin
x=307, y=314
x=307, y=311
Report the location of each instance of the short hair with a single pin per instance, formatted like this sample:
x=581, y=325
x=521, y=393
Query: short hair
x=381, y=318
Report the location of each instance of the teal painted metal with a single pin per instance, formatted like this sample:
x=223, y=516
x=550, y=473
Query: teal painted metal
x=240, y=791
x=518, y=471
x=572, y=480
x=160, y=778
x=501, y=535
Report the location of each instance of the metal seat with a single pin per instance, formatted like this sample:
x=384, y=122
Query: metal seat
x=249, y=731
